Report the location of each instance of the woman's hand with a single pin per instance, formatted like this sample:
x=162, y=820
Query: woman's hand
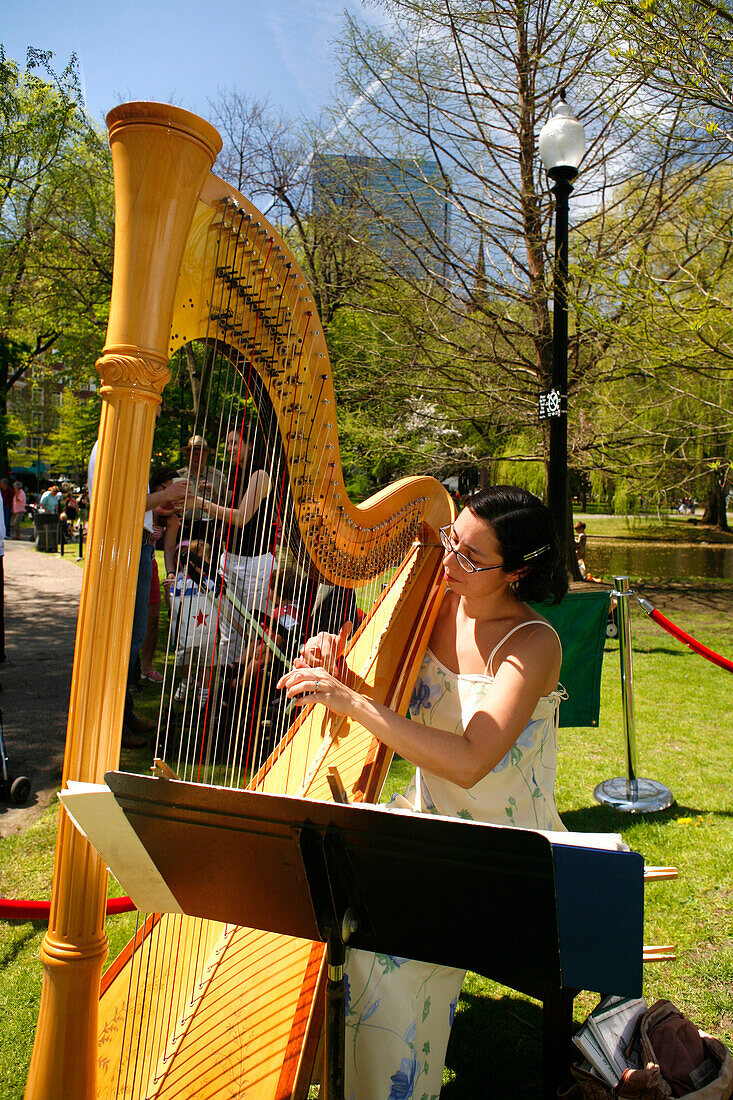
x=325, y=650
x=201, y=501
x=316, y=685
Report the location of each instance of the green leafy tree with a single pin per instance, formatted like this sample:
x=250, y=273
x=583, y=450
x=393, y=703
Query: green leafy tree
x=71, y=442
x=56, y=224
x=660, y=414
x=681, y=49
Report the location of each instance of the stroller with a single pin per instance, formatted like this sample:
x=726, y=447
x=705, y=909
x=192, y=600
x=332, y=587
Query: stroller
x=15, y=790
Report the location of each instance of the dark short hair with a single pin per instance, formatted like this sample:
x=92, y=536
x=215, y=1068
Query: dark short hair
x=526, y=535
x=160, y=475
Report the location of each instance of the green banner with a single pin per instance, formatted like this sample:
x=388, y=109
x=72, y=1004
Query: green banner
x=580, y=620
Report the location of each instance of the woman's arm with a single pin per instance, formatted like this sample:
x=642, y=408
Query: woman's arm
x=167, y=498
x=491, y=732
x=258, y=488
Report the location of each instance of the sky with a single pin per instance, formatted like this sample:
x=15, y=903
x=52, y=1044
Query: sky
x=182, y=52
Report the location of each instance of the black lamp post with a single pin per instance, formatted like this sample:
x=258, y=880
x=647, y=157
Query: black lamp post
x=561, y=146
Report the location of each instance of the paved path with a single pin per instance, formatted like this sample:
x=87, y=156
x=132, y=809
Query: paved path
x=41, y=605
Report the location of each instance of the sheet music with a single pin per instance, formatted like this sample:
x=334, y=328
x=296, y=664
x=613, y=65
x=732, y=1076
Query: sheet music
x=99, y=817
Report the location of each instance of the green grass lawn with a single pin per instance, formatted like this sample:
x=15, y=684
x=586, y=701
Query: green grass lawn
x=669, y=527
x=685, y=739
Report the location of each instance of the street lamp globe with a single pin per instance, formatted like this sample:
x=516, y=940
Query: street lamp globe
x=562, y=142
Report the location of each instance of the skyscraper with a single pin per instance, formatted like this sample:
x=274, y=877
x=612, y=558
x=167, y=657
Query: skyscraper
x=397, y=207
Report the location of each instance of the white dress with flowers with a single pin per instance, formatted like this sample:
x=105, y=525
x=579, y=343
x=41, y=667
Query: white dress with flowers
x=399, y=1012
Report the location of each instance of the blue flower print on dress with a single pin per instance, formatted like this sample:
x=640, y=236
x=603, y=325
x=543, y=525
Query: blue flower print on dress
x=390, y=962
x=403, y=1081
x=525, y=741
x=372, y=1008
x=423, y=696
x=347, y=994
x=452, y=1010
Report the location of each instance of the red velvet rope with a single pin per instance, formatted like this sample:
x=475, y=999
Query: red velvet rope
x=12, y=909
x=675, y=631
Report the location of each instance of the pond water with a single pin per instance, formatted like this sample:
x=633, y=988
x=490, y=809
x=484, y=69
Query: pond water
x=638, y=559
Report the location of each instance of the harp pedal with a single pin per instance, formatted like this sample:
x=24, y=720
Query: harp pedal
x=338, y=791
x=161, y=770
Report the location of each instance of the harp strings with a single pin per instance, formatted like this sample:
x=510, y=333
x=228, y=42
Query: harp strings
x=215, y=421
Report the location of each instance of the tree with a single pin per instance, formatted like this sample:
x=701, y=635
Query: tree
x=663, y=408
x=683, y=50
x=56, y=224
x=468, y=86
x=71, y=443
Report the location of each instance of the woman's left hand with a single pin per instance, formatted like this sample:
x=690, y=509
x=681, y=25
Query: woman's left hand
x=316, y=685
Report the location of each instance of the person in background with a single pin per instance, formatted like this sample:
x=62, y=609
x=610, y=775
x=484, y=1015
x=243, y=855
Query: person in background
x=165, y=527
x=18, y=508
x=2, y=587
x=6, y=491
x=150, y=641
x=197, y=471
x=247, y=529
x=580, y=544
x=71, y=507
x=49, y=501
x=65, y=532
x=194, y=617
x=133, y=728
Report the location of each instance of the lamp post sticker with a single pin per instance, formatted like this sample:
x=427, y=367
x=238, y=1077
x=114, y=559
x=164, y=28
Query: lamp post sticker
x=550, y=404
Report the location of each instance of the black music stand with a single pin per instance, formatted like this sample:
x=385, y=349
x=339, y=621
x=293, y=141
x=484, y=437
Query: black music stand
x=546, y=919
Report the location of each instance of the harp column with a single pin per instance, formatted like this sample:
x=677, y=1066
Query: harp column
x=161, y=157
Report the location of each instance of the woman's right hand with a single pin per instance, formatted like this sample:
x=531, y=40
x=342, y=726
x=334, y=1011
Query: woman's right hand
x=325, y=650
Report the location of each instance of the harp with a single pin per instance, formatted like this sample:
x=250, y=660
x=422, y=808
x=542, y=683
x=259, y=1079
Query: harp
x=238, y=1013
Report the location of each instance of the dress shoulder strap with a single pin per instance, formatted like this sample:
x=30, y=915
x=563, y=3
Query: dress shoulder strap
x=489, y=670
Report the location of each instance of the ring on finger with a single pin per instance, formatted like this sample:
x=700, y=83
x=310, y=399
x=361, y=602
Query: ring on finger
x=317, y=684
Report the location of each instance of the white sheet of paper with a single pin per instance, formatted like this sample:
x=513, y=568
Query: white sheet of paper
x=611, y=842
x=99, y=817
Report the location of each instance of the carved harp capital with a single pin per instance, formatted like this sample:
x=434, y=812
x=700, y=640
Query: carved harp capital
x=121, y=371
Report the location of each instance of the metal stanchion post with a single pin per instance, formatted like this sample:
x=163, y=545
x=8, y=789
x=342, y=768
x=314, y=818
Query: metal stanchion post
x=632, y=793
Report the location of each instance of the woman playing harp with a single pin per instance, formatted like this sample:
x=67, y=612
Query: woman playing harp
x=482, y=733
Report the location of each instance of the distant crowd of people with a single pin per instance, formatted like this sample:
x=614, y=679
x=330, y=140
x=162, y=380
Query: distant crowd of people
x=68, y=504
x=235, y=608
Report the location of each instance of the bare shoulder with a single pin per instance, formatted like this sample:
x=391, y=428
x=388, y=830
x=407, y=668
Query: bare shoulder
x=535, y=647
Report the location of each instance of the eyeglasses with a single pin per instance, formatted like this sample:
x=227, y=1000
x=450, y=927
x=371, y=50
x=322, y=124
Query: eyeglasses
x=464, y=562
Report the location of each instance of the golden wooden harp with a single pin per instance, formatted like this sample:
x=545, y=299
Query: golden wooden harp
x=240, y=1016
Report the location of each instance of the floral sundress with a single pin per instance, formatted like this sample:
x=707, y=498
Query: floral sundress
x=399, y=1012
